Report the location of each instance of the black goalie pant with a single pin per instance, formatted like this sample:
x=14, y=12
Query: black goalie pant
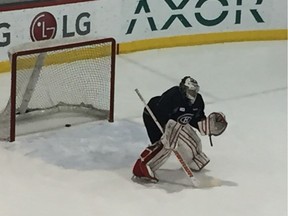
x=152, y=129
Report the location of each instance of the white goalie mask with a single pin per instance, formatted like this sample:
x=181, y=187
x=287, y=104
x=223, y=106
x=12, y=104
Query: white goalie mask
x=189, y=88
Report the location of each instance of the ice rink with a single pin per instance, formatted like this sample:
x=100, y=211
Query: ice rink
x=85, y=170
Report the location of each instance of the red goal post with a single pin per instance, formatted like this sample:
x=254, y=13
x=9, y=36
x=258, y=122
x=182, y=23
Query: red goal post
x=68, y=75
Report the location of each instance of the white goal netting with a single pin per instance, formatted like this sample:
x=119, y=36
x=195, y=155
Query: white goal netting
x=56, y=77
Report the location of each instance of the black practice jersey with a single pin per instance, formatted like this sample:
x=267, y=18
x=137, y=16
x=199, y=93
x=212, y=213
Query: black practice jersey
x=172, y=104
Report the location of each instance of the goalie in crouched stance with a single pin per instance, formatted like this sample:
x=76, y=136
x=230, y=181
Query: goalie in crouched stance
x=179, y=111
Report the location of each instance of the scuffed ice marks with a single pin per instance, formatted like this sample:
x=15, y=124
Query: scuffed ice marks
x=97, y=145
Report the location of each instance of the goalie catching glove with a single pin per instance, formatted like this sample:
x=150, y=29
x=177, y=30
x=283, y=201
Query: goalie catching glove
x=215, y=124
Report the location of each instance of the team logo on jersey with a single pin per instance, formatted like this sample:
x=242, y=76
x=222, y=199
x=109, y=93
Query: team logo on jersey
x=185, y=119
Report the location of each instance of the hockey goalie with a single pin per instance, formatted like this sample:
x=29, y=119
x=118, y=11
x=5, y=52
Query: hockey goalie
x=180, y=112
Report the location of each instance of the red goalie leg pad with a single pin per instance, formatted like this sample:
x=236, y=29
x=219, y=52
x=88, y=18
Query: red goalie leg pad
x=137, y=169
x=141, y=167
x=150, y=152
x=142, y=170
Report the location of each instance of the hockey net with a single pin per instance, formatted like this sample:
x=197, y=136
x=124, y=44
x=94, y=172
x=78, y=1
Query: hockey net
x=67, y=76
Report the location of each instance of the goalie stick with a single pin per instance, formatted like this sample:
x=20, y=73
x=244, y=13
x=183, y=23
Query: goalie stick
x=185, y=167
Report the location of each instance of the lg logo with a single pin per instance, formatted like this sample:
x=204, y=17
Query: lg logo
x=5, y=35
x=44, y=26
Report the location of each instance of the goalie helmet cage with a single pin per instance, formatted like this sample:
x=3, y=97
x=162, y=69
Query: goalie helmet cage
x=60, y=75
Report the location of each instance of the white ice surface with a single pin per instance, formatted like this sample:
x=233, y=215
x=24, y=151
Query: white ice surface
x=85, y=170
